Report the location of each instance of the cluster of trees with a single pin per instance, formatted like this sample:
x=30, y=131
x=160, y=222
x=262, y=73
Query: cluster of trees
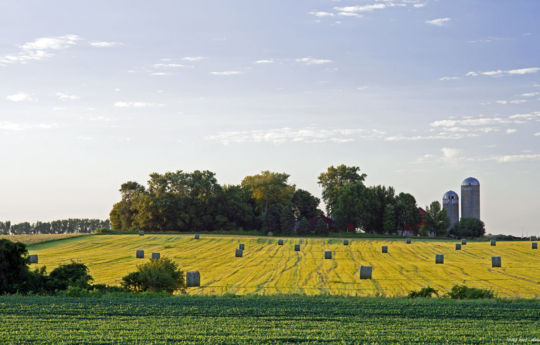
x=65, y=226
x=74, y=279
x=374, y=209
x=182, y=201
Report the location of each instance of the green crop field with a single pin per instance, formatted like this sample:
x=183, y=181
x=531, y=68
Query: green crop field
x=267, y=268
x=266, y=320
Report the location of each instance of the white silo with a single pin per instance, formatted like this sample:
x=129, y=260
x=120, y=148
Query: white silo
x=450, y=203
x=470, y=198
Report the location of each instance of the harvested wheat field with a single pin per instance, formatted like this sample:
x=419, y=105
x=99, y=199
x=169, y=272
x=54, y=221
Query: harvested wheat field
x=268, y=268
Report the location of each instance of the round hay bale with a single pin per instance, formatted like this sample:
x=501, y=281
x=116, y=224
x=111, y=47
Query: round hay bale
x=463, y=241
x=280, y=242
x=384, y=249
x=346, y=242
x=365, y=272
x=534, y=245
x=241, y=246
x=140, y=254
x=328, y=254
x=33, y=258
x=458, y=246
x=239, y=253
x=439, y=259
x=196, y=236
x=156, y=256
x=141, y=233
x=296, y=247
x=495, y=261
x=193, y=279
x=408, y=241
x=493, y=243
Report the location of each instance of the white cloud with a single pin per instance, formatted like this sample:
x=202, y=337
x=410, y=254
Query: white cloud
x=105, y=44
x=321, y=14
x=39, y=49
x=516, y=158
x=312, y=61
x=65, y=97
x=498, y=73
x=364, y=8
x=530, y=94
x=122, y=104
x=537, y=134
x=193, y=58
x=449, y=78
x=226, y=73
x=419, y=5
x=288, y=135
x=514, y=101
x=168, y=65
x=449, y=153
x=511, y=130
x=439, y=21
x=20, y=97
x=481, y=121
x=17, y=127
x=265, y=61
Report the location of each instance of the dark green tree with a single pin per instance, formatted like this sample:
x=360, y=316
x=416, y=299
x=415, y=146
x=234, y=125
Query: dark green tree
x=303, y=227
x=14, y=271
x=305, y=203
x=272, y=220
x=389, y=219
x=287, y=220
x=436, y=219
x=468, y=227
x=335, y=178
x=321, y=228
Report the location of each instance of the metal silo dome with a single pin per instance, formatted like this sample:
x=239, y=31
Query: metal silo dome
x=470, y=181
x=450, y=195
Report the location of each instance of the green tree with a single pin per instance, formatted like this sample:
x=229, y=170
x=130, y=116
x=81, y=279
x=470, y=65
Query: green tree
x=155, y=276
x=287, y=220
x=436, y=219
x=269, y=188
x=350, y=205
x=389, y=219
x=407, y=212
x=321, y=228
x=305, y=203
x=335, y=178
x=272, y=220
x=468, y=227
x=303, y=227
x=13, y=266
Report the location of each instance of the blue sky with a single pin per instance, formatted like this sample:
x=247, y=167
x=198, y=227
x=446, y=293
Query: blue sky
x=418, y=94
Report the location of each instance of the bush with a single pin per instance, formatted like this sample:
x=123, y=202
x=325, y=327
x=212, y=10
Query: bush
x=426, y=292
x=468, y=227
x=464, y=292
x=70, y=275
x=155, y=276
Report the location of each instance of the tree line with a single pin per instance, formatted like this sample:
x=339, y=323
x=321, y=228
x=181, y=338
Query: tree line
x=64, y=226
x=267, y=202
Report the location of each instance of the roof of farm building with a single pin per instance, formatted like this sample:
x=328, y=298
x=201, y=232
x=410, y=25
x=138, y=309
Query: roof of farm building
x=470, y=181
x=450, y=195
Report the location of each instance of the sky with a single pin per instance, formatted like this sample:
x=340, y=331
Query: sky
x=420, y=94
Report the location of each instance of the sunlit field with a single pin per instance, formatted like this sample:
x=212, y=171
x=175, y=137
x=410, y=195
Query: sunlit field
x=31, y=239
x=268, y=268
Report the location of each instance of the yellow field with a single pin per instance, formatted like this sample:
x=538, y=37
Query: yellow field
x=31, y=239
x=267, y=268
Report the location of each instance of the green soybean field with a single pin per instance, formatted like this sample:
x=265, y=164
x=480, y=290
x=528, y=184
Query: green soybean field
x=277, y=319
